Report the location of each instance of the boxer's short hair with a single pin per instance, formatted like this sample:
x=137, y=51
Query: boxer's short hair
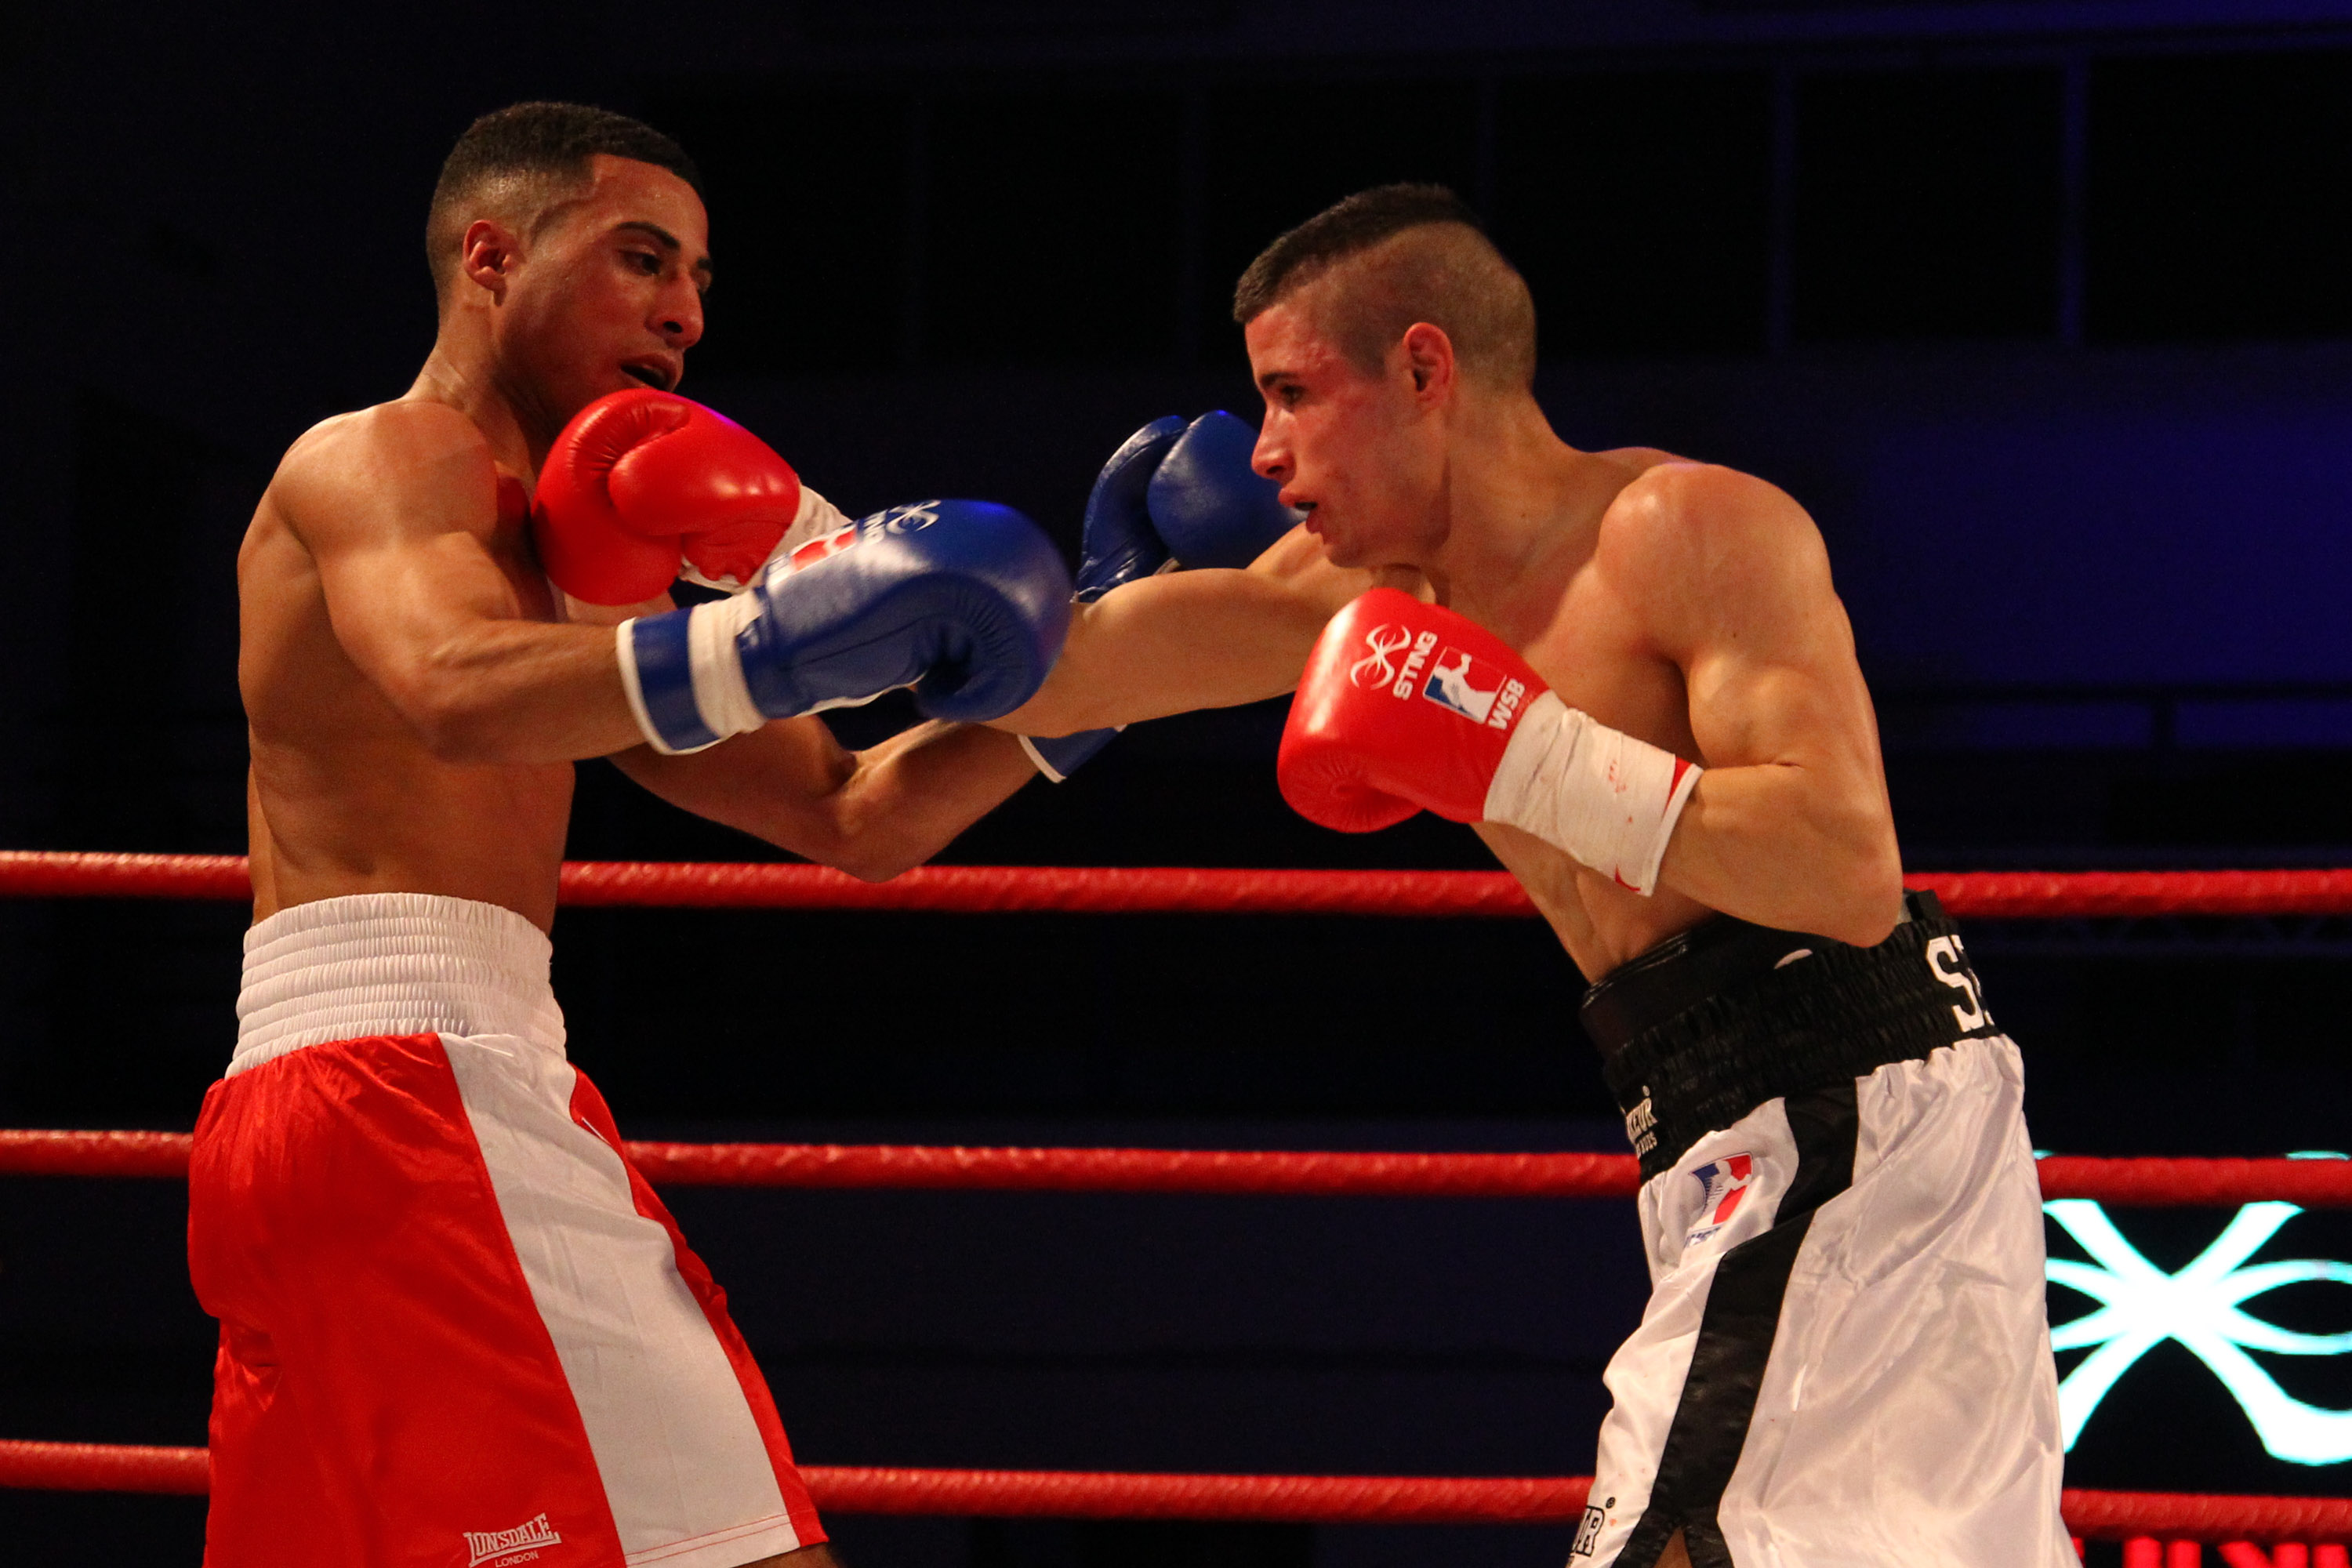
x=1402, y=254
x=522, y=158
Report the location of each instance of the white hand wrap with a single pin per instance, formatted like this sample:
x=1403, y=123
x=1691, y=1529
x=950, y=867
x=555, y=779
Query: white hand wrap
x=1604, y=797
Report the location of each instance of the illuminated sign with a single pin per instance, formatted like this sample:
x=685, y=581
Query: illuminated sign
x=2140, y=1307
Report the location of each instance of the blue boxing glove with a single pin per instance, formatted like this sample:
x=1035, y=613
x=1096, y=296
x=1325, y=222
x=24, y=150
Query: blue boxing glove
x=1208, y=505
x=964, y=601
x=1117, y=545
x=1173, y=495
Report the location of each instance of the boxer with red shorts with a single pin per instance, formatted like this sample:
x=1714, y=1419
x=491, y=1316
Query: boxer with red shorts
x=457, y=1329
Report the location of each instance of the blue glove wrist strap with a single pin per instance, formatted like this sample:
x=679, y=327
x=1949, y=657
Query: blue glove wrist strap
x=658, y=671
x=1058, y=756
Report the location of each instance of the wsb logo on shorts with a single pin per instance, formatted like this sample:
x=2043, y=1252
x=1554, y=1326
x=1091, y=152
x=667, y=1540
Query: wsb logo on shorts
x=1722, y=1183
x=1459, y=681
x=517, y=1545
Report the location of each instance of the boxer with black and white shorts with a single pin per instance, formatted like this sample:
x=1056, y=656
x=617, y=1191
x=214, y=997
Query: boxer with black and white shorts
x=1632, y=674
x=1841, y=1215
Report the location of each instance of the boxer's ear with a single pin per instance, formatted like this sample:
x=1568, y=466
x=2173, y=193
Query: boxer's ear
x=486, y=255
x=1429, y=354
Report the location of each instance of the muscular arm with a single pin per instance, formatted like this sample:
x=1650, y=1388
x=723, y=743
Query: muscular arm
x=1190, y=639
x=398, y=508
x=1791, y=825
x=872, y=814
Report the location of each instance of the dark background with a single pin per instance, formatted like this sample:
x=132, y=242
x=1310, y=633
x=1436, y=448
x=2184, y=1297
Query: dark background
x=2041, y=309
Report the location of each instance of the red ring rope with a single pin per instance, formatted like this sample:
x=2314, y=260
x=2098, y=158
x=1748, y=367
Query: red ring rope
x=1301, y=1500
x=1097, y=889
x=2316, y=1183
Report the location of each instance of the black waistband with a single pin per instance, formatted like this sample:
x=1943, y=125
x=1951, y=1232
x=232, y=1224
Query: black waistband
x=1708, y=1026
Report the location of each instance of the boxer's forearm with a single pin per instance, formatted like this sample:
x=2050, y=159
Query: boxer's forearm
x=872, y=814
x=1172, y=644
x=1787, y=845
x=511, y=692
x=910, y=797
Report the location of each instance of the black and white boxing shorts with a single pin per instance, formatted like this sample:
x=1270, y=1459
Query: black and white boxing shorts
x=1845, y=1358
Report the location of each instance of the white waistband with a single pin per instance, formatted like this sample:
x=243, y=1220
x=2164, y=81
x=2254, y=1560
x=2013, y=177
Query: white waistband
x=392, y=963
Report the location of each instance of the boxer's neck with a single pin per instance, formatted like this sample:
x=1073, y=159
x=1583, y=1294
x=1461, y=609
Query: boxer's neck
x=466, y=371
x=1516, y=514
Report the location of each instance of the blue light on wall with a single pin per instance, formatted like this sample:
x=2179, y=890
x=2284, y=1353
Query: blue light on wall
x=2140, y=1307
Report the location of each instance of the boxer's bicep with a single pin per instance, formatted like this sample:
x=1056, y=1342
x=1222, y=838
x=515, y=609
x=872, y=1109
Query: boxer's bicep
x=395, y=520
x=1789, y=824
x=1765, y=688
x=1732, y=581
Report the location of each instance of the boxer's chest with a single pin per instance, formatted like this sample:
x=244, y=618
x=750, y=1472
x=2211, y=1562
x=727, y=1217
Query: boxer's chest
x=1598, y=657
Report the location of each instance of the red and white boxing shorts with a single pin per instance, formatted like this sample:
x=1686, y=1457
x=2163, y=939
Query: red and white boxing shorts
x=1845, y=1358
x=458, y=1328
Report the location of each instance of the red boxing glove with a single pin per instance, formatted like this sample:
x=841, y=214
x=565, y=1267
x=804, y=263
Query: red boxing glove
x=642, y=479
x=1376, y=733
x=1406, y=706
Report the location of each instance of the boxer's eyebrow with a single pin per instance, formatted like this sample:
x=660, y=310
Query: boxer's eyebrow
x=671, y=242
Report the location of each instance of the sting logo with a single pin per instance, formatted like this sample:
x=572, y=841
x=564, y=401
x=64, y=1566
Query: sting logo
x=1375, y=669
x=905, y=518
x=1950, y=965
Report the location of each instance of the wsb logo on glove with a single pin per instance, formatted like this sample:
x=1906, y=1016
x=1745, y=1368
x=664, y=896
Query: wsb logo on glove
x=1461, y=681
x=1354, y=760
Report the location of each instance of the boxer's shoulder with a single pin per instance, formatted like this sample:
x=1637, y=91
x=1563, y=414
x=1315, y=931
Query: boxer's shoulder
x=390, y=465
x=1680, y=525
x=407, y=429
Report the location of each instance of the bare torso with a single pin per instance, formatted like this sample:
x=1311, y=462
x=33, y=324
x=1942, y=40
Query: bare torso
x=1597, y=639
x=345, y=795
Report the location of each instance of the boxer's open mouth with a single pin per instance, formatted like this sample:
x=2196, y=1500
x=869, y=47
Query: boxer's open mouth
x=654, y=375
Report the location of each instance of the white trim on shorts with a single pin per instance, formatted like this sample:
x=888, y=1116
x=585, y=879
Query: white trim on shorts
x=683, y=1461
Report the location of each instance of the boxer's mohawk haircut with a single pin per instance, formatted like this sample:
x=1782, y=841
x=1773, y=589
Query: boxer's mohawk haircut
x=524, y=155
x=1402, y=254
